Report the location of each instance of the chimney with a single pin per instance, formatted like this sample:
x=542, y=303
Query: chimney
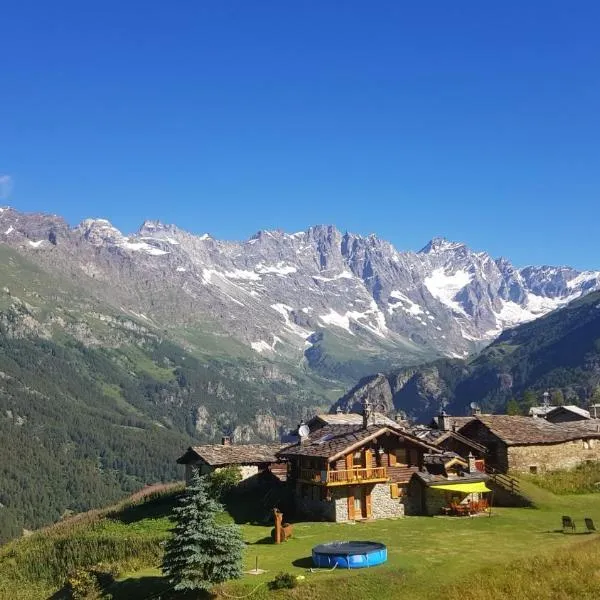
x=303, y=431
x=472, y=466
x=225, y=441
x=338, y=410
x=366, y=415
x=476, y=412
x=595, y=411
x=443, y=421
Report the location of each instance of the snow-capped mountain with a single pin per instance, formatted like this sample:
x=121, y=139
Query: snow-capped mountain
x=280, y=294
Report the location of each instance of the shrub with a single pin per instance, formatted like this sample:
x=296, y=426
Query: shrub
x=283, y=581
x=83, y=585
x=221, y=482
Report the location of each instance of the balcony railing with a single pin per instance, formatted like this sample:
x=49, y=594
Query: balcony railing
x=345, y=476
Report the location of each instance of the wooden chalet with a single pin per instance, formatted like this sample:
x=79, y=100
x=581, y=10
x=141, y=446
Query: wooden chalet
x=351, y=467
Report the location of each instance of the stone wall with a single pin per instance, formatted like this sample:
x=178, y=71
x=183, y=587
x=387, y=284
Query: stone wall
x=548, y=457
x=435, y=500
x=339, y=498
x=383, y=506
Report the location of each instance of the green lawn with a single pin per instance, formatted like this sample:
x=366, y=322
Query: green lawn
x=482, y=558
x=427, y=557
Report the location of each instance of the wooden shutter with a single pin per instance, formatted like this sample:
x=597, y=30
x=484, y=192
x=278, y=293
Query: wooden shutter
x=368, y=461
x=349, y=461
x=394, y=490
x=392, y=458
x=369, y=505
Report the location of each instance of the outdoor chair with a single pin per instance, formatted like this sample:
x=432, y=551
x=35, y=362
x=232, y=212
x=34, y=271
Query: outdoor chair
x=589, y=523
x=568, y=523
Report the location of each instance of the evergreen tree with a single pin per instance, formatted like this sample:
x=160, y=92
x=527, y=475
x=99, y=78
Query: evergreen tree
x=557, y=397
x=512, y=407
x=201, y=552
x=529, y=399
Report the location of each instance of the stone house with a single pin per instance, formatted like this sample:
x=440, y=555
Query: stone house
x=445, y=437
x=531, y=445
x=350, y=467
x=566, y=414
x=251, y=459
x=447, y=480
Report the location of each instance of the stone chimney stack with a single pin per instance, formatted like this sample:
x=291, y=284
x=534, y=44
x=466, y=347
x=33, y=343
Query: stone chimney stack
x=472, y=466
x=367, y=412
x=226, y=440
x=303, y=431
x=338, y=410
x=443, y=421
x=595, y=411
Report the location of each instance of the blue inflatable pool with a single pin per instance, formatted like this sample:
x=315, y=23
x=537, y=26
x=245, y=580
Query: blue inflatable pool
x=349, y=555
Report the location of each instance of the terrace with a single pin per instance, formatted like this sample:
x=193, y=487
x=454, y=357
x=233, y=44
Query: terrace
x=344, y=476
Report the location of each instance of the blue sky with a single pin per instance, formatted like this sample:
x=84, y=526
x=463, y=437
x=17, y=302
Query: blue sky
x=478, y=121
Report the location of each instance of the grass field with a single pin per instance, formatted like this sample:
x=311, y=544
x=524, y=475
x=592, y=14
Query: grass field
x=483, y=557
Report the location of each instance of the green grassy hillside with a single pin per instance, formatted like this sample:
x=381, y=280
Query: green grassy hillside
x=428, y=557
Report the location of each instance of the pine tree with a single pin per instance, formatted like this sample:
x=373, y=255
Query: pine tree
x=201, y=552
x=512, y=407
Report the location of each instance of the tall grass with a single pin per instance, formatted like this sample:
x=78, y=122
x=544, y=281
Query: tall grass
x=559, y=575
x=127, y=536
x=583, y=479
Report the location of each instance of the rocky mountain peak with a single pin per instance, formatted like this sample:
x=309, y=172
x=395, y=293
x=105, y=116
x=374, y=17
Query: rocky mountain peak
x=440, y=244
x=99, y=232
x=292, y=295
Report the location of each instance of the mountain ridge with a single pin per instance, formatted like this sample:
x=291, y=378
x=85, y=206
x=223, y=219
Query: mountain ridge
x=559, y=352
x=278, y=292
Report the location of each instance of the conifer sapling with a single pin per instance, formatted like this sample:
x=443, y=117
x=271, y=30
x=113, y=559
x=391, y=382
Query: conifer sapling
x=201, y=552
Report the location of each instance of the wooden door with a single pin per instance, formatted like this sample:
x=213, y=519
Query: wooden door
x=359, y=502
x=368, y=505
x=351, y=511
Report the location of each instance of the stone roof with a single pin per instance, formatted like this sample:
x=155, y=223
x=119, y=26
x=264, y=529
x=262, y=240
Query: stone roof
x=438, y=479
x=580, y=412
x=455, y=422
x=233, y=454
x=330, y=441
x=352, y=419
x=518, y=431
x=437, y=436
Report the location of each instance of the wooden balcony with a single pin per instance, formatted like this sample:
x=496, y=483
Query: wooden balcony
x=345, y=477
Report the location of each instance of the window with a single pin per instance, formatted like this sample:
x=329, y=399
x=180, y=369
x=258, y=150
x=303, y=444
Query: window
x=533, y=469
x=401, y=456
x=357, y=459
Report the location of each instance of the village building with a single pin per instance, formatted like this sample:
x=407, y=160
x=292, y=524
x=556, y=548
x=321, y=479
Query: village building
x=445, y=436
x=531, y=445
x=251, y=459
x=449, y=485
x=348, y=467
x=566, y=414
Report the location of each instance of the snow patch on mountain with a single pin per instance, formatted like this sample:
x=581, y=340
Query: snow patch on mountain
x=444, y=287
